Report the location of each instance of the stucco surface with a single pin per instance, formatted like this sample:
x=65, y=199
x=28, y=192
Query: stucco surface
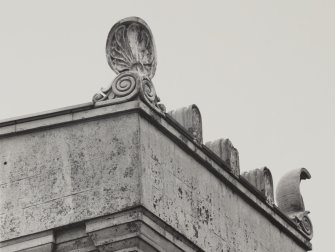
x=191, y=199
x=57, y=176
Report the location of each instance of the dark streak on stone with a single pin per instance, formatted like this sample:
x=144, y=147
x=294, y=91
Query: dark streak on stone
x=195, y=231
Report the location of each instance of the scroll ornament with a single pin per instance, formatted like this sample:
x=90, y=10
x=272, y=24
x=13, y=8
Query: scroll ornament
x=131, y=53
x=290, y=201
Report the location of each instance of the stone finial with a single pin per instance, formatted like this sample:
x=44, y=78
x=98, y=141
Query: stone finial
x=227, y=152
x=290, y=201
x=190, y=118
x=262, y=180
x=131, y=53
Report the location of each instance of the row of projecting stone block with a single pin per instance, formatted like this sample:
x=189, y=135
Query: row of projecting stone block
x=288, y=195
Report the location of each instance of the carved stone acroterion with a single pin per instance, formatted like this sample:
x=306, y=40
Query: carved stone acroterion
x=290, y=201
x=190, y=118
x=227, y=152
x=131, y=54
x=262, y=180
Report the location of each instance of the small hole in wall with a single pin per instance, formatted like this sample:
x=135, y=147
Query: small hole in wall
x=5, y=163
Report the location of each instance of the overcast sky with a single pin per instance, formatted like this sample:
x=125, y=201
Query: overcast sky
x=261, y=72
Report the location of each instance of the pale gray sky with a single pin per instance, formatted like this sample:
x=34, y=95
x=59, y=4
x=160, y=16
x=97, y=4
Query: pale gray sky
x=261, y=72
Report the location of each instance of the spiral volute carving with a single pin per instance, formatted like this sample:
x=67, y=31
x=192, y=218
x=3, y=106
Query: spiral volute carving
x=124, y=84
x=306, y=225
x=149, y=91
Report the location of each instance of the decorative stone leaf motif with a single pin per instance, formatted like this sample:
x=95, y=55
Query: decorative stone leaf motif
x=290, y=201
x=227, y=152
x=131, y=53
x=262, y=180
x=130, y=47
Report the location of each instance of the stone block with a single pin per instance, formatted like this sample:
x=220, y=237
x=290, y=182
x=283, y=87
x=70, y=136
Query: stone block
x=197, y=203
x=39, y=242
x=261, y=179
x=135, y=229
x=57, y=176
x=190, y=118
x=224, y=149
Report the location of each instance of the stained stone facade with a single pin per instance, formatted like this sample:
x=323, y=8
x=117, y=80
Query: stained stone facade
x=122, y=174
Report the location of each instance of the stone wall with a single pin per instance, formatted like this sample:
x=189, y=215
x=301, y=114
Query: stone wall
x=181, y=191
x=54, y=177
x=124, y=177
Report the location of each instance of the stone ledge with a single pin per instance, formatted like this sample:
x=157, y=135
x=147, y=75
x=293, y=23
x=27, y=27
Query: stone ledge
x=131, y=230
x=56, y=118
x=35, y=242
x=137, y=223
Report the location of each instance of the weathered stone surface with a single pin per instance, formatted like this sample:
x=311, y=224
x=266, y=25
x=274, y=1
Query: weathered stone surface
x=136, y=228
x=63, y=175
x=227, y=152
x=40, y=242
x=131, y=230
x=261, y=179
x=190, y=118
x=181, y=191
x=73, y=238
x=105, y=160
x=290, y=200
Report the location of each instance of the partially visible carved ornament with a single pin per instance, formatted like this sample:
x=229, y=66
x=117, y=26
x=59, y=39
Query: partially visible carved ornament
x=290, y=201
x=227, y=152
x=262, y=180
x=190, y=118
x=131, y=53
